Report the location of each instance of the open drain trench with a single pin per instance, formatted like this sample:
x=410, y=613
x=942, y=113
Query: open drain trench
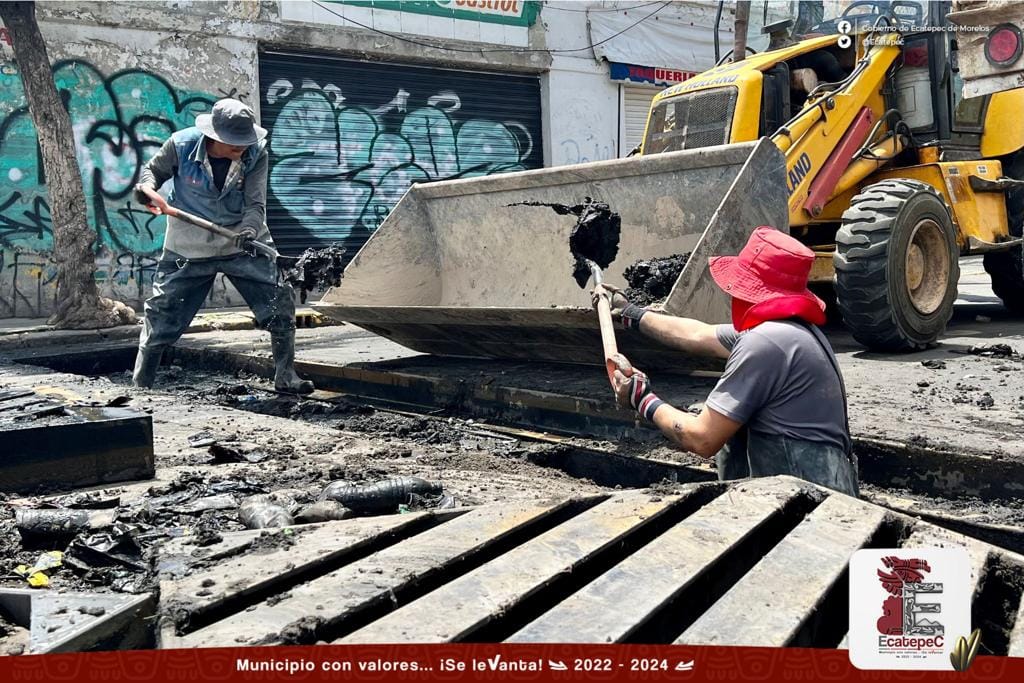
x=919, y=469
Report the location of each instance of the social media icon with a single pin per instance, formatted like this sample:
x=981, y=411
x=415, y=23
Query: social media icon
x=844, y=27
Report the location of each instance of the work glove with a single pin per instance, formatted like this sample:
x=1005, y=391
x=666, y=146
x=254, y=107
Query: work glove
x=621, y=307
x=244, y=239
x=633, y=388
x=140, y=196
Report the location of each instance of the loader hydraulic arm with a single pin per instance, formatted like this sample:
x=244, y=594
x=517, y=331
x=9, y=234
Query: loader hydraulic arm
x=831, y=144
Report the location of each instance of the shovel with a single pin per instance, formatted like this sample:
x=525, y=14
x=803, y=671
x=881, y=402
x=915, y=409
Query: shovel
x=160, y=205
x=604, y=318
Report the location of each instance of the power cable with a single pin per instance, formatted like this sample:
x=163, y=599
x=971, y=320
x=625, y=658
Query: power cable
x=509, y=49
x=595, y=10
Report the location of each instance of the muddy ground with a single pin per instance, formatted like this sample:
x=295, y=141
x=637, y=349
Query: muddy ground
x=220, y=438
x=299, y=446
x=950, y=397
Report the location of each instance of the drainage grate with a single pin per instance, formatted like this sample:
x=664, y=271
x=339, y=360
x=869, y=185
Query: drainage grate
x=702, y=563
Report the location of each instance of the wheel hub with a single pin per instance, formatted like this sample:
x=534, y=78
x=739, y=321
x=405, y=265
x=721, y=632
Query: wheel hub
x=927, y=267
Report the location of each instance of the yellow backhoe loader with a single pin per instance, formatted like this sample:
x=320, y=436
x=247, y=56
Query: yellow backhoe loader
x=854, y=136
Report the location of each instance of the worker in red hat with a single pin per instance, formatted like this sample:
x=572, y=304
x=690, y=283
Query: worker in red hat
x=780, y=406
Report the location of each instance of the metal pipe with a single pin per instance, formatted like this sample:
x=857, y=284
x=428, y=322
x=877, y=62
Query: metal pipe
x=742, y=24
x=718, y=22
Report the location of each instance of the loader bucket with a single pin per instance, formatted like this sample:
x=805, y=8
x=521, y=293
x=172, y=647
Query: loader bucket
x=455, y=270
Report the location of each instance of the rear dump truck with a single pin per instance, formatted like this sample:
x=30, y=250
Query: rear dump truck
x=461, y=268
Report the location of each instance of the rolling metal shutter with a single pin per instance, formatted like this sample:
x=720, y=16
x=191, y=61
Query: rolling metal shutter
x=348, y=138
x=636, y=102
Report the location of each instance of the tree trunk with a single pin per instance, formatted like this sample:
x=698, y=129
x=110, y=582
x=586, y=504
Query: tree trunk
x=79, y=304
x=739, y=50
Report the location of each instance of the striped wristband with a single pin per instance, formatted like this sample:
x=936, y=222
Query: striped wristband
x=631, y=315
x=648, y=406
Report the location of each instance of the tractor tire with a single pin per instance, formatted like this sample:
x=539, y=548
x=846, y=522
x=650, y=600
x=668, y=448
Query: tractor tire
x=1005, y=267
x=897, y=266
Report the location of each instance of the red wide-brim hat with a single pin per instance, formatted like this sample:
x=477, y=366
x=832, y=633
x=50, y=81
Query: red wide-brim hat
x=771, y=265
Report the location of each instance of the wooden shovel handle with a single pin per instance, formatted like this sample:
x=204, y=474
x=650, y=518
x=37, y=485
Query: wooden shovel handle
x=604, y=316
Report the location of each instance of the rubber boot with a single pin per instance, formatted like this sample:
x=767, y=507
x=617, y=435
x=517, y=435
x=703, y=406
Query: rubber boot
x=285, y=378
x=146, y=363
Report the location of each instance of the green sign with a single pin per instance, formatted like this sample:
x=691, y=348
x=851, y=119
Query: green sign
x=513, y=12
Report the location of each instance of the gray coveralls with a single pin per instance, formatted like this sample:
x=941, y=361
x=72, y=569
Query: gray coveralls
x=192, y=257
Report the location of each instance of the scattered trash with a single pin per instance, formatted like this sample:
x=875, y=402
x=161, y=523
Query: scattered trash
x=118, y=401
x=986, y=401
x=261, y=512
x=384, y=496
x=239, y=452
x=55, y=524
x=201, y=440
x=923, y=384
x=89, y=501
x=112, y=558
x=36, y=575
x=189, y=486
x=992, y=350
x=322, y=511
x=222, y=501
x=934, y=364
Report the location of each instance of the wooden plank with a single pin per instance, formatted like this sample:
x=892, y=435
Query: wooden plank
x=214, y=582
x=790, y=582
x=371, y=580
x=461, y=606
x=926, y=535
x=613, y=605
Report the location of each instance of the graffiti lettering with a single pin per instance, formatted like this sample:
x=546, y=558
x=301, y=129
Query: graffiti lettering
x=590, y=149
x=347, y=166
x=234, y=93
x=118, y=122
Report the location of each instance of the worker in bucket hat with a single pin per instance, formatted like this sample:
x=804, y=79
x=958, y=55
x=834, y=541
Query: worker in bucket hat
x=218, y=171
x=780, y=405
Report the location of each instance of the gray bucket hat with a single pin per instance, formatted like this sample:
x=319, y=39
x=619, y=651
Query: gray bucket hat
x=231, y=122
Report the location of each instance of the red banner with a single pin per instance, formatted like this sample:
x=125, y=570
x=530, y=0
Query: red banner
x=478, y=662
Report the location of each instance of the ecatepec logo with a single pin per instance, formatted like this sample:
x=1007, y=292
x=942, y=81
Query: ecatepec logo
x=903, y=611
x=908, y=607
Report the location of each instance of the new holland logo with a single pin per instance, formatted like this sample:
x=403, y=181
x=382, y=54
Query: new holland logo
x=908, y=607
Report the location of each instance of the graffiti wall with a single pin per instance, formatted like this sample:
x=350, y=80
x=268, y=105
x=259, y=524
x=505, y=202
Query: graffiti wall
x=119, y=120
x=126, y=90
x=349, y=138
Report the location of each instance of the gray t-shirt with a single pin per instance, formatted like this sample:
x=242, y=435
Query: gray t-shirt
x=779, y=380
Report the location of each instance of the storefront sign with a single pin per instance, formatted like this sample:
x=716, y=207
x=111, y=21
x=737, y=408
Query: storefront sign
x=513, y=12
x=648, y=74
